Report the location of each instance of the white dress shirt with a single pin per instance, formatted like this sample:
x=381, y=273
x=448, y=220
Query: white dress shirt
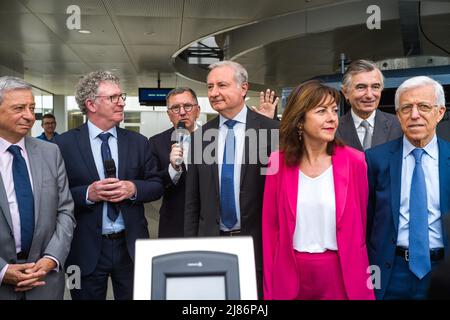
x=360, y=130
x=239, y=134
x=430, y=165
x=315, y=226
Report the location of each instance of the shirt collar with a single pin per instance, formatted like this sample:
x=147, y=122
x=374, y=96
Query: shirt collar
x=94, y=131
x=241, y=117
x=357, y=120
x=4, y=144
x=431, y=148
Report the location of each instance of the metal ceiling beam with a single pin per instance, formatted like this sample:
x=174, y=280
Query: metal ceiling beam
x=409, y=22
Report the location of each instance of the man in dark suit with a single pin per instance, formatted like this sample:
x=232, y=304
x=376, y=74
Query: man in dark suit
x=364, y=126
x=36, y=208
x=225, y=180
x=182, y=106
x=111, y=175
x=409, y=194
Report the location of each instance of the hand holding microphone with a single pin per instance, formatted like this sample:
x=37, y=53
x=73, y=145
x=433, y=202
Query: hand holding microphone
x=176, y=155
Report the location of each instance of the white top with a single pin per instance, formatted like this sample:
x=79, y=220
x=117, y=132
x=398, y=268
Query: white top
x=360, y=130
x=315, y=229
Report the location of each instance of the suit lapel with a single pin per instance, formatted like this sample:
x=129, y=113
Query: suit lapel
x=252, y=123
x=341, y=177
x=4, y=204
x=36, y=161
x=444, y=184
x=84, y=147
x=212, y=145
x=381, y=129
x=122, y=149
x=395, y=172
x=348, y=131
x=291, y=182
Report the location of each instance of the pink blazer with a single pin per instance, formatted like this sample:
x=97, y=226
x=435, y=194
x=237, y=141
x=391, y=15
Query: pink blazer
x=278, y=225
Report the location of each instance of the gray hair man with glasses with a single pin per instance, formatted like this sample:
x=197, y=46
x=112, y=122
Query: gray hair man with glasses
x=171, y=156
x=112, y=173
x=409, y=194
x=364, y=126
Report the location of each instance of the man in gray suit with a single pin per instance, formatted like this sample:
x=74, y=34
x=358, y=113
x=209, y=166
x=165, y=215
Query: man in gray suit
x=364, y=126
x=36, y=207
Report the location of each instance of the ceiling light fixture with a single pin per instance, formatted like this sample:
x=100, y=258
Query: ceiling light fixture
x=84, y=31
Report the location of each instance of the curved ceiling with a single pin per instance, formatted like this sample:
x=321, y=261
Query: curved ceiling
x=280, y=42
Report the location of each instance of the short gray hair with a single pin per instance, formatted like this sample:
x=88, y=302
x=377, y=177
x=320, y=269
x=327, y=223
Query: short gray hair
x=240, y=74
x=88, y=85
x=359, y=66
x=12, y=83
x=420, y=81
x=180, y=90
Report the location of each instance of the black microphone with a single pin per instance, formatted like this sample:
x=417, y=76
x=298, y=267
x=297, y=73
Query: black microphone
x=110, y=172
x=181, y=127
x=110, y=168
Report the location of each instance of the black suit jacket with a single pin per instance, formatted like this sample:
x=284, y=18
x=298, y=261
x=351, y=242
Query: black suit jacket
x=136, y=164
x=171, y=213
x=202, y=210
x=386, y=128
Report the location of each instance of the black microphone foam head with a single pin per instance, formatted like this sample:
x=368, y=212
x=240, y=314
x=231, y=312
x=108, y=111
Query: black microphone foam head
x=181, y=125
x=110, y=168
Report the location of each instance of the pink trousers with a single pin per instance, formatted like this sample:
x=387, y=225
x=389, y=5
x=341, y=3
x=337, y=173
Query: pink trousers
x=320, y=276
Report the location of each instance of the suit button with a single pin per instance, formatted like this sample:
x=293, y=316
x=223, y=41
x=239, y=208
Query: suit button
x=394, y=241
x=388, y=265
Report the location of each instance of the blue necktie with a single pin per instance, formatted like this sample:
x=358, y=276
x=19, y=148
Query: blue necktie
x=419, y=250
x=227, y=201
x=24, y=196
x=106, y=155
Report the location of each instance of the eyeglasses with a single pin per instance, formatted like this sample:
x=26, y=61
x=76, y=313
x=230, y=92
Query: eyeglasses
x=187, y=107
x=423, y=108
x=49, y=123
x=115, y=98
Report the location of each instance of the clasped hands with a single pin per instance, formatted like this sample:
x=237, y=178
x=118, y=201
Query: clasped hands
x=27, y=276
x=111, y=189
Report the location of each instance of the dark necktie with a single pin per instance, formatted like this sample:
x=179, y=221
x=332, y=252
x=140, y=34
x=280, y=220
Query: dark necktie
x=367, y=141
x=227, y=200
x=24, y=196
x=106, y=155
x=419, y=250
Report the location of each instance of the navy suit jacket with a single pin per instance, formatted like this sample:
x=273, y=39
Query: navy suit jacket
x=136, y=164
x=171, y=213
x=384, y=164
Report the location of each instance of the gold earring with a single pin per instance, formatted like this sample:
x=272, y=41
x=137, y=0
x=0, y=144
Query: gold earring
x=300, y=132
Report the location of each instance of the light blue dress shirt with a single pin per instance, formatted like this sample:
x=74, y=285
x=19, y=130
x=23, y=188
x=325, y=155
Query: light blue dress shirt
x=108, y=226
x=430, y=165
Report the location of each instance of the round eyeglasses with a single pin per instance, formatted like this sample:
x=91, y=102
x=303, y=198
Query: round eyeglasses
x=177, y=107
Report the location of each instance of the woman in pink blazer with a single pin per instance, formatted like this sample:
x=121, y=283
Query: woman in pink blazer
x=314, y=209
